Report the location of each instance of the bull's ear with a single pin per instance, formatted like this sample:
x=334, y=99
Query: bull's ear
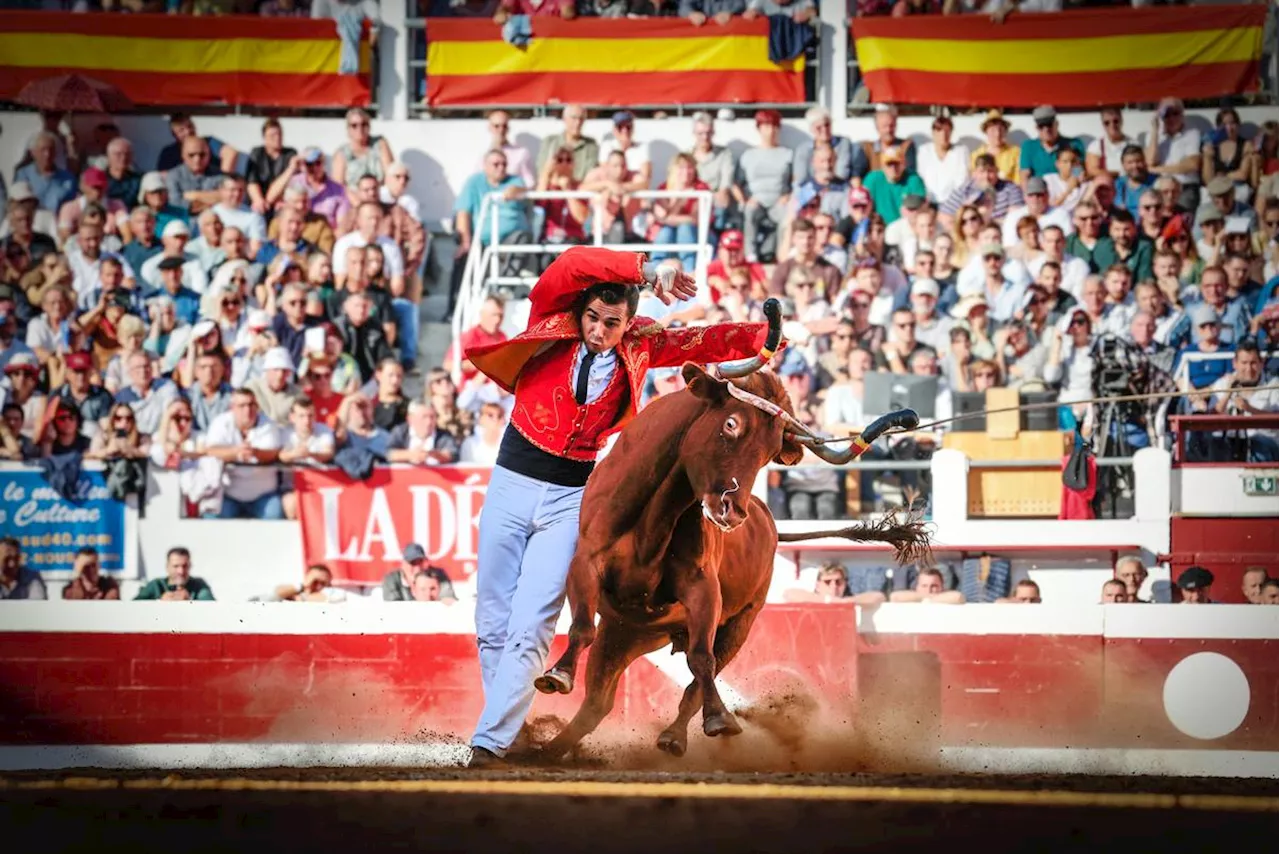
x=702, y=384
x=792, y=451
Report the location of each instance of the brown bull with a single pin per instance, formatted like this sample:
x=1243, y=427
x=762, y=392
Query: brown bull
x=674, y=548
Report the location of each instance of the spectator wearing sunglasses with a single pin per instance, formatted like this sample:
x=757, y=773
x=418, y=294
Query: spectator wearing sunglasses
x=1106, y=152
x=91, y=400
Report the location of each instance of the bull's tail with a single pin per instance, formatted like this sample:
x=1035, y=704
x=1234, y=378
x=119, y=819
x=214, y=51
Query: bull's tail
x=909, y=537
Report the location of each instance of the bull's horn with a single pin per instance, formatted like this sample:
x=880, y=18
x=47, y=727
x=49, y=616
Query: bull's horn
x=903, y=419
x=743, y=367
x=768, y=406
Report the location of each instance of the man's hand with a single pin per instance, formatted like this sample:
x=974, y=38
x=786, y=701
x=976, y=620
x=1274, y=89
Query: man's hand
x=697, y=19
x=673, y=285
x=723, y=18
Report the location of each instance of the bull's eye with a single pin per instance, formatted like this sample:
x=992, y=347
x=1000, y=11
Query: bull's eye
x=731, y=426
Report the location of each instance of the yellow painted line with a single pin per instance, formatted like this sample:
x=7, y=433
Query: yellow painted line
x=177, y=56
x=1061, y=56
x=696, y=791
x=699, y=53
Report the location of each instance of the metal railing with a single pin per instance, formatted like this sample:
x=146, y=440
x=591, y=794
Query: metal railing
x=484, y=262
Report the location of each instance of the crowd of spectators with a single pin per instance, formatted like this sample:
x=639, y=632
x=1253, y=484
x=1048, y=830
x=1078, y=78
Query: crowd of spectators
x=218, y=322
x=992, y=579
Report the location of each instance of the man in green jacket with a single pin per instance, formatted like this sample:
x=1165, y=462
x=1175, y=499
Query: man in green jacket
x=178, y=584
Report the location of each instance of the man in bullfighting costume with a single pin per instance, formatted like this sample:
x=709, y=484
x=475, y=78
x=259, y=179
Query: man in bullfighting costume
x=577, y=372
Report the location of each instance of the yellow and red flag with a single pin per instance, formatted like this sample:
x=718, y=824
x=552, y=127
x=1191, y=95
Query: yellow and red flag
x=178, y=60
x=613, y=61
x=1081, y=58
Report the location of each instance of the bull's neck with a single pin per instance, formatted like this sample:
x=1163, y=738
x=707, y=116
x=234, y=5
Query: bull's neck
x=658, y=494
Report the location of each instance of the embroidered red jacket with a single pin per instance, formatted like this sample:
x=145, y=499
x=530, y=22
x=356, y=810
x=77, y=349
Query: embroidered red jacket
x=538, y=363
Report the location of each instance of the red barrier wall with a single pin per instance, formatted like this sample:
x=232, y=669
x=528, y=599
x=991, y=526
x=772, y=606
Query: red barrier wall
x=962, y=689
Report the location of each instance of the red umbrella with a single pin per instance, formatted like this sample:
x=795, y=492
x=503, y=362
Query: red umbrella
x=71, y=93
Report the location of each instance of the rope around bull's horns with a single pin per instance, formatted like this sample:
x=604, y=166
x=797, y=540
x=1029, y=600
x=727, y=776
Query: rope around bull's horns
x=1129, y=398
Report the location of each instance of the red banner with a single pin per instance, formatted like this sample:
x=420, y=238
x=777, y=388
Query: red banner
x=357, y=528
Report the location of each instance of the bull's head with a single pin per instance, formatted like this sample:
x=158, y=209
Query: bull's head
x=726, y=446
x=746, y=425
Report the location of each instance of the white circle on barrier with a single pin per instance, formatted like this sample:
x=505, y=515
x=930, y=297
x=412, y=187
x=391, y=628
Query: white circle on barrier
x=1206, y=695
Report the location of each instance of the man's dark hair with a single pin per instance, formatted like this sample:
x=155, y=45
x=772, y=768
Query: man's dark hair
x=1270, y=582
x=610, y=293
x=10, y=407
x=180, y=551
x=982, y=161
x=269, y=124
x=11, y=541
x=801, y=225
x=959, y=332
x=1132, y=149
x=1248, y=345
x=87, y=551
x=179, y=118
x=1122, y=215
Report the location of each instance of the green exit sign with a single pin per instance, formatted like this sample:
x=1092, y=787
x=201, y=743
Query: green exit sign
x=1262, y=484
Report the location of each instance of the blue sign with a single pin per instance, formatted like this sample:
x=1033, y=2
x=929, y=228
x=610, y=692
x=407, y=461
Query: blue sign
x=52, y=529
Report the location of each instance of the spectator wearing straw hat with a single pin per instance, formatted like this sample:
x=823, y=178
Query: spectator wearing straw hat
x=995, y=129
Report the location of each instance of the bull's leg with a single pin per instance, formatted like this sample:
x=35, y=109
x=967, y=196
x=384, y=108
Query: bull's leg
x=584, y=598
x=729, y=640
x=701, y=598
x=615, y=648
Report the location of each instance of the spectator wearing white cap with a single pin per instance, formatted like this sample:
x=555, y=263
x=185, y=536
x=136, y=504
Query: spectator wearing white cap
x=932, y=329
x=251, y=346
x=22, y=373
x=52, y=186
x=93, y=191
x=325, y=197
x=395, y=189
x=154, y=193
x=248, y=442
x=173, y=241
x=1173, y=148
x=275, y=389
x=231, y=209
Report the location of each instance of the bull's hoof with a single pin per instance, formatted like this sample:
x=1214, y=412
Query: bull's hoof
x=554, y=682
x=671, y=742
x=722, y=724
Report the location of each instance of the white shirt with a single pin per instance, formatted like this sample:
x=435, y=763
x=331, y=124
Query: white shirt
x=842, y=406
x=1110, y=152
x=1165, y=325
x=637, y=155
x=250, y=224
x=246, y=482
x=1074, y=272
x=944, y=176
x=602, y=369
x=321, y=441
x=393, y=260
x=476, y=450
x=1053, y=216
x=1267, y=401
x=1183, y=144
x=408, y=202
x=973, y=280
x=86, y=276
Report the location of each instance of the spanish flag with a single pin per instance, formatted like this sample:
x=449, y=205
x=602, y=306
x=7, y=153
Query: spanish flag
x=179, y=60
x=1083, y=58
x=613, y=61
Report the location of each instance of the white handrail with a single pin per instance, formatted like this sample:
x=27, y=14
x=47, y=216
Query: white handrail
x=484, y=262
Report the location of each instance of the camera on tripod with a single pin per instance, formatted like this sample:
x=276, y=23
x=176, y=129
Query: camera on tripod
x=1119, y=368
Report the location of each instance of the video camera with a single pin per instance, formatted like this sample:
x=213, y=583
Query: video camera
x=1119, y=368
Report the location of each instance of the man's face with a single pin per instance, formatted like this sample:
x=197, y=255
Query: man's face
x=277, y=378
x=245, y=408
x=43, y=153
x=573, y=119
x=703, y=134
x=1026, y=594
x=928, y=584
x=1199, y=596
x=1208, y=332
x=23, y=381
x=996, y=134
x=1037, y=203
x=1135, y=166
x=367, y=189
x=1149, y=209
x=824, y=163
x=1251, y=584
x=171, y=279
x=303, y=419
x=1133, y=574
x=892, y=170
x=1114, y=593
x=178, y=569
x=1213, y=287
x=1123, y=233
x=426, y=588
x=1047, y=131
x=804, y=241
x=142, y=222
x=195, y=154
x=1117, y=285
x=231, y=193
x=13, y=419
x=821, y=130
x=1237, y=272
x=941, y=131
x=1053, y=242
x=1104, y=190
x=423, y=421
x=397, y=181
x=985, y=175
x=87, y=566
x=925, y=265
x=356, y=310
x=1248, y=368
x=1270, y=595
x=90, y=239
x=10, y=559
x=1094, y=296
x=369, y=218
x=233, y=243
x=603, y=325
x=209, y=372
x=1113, y=123
x=830, y=583
x=21, y=217
x=491, y=314
x=139, y=367
x=1143, y=329
x=904, y=326
x=1088, y=221
x=1226, y=203
x=1050, y=279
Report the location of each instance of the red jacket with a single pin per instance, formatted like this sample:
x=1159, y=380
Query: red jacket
x=538, y=367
